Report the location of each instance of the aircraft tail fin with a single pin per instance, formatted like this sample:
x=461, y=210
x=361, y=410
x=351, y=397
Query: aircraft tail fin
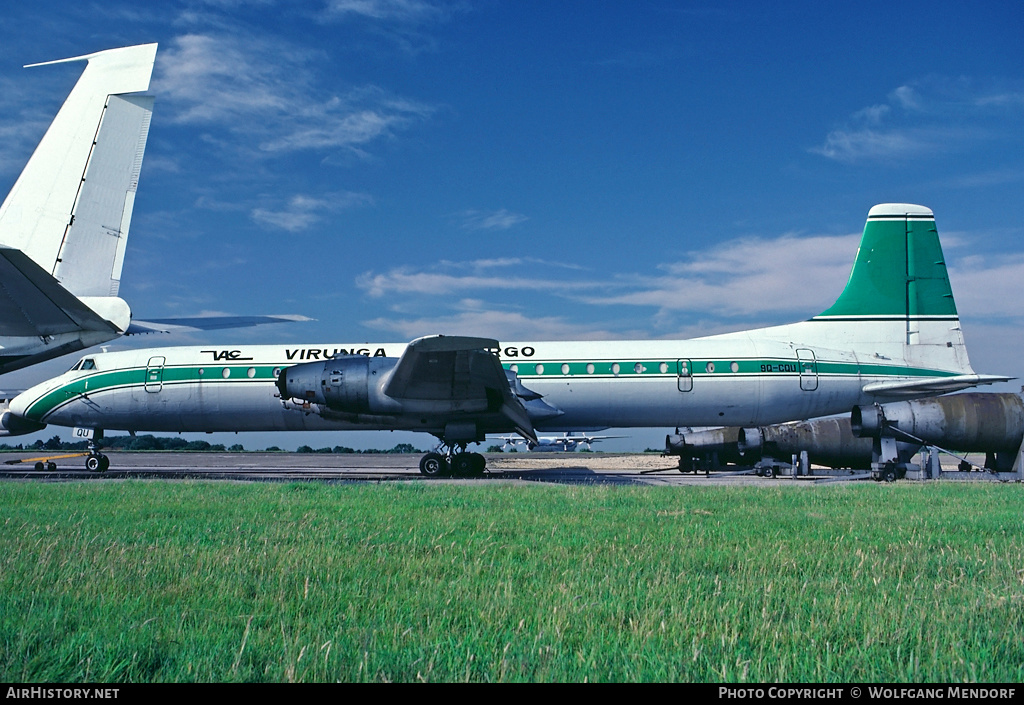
x=898, y=304
x=899, y=272
x=70, y=209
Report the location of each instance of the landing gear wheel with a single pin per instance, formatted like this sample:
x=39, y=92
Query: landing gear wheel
x=686, y=465
x=433, y=464
x=889, y=473
x=51, y=466
x=462, y=464
x=769, y=471
x=479, y=464
x=97, y=463
x=39, y=467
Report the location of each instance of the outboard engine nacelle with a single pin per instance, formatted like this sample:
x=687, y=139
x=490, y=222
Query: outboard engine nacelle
x=349, y=383
x=11, y=425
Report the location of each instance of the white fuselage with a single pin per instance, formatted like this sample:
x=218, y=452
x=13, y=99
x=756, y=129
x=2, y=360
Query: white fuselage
x=750, y=378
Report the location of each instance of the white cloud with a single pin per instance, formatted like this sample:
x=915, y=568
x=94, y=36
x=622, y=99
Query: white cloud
x=741, y=278
x=405, y=280
x=504, y=326
x=302, y=211
x=266, y=93
x=491, y=220
x=935, y=115
x=848, y=145
x=392, y=10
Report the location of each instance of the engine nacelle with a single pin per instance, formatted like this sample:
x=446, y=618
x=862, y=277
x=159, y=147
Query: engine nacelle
x=867, y=421
x=972, y=422
x=710, y=440
x=11, y=425
x=350, y=384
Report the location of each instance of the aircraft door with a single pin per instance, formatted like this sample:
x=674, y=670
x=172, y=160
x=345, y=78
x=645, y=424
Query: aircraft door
x=808, y=369
x=155, y=374
x=684, y=379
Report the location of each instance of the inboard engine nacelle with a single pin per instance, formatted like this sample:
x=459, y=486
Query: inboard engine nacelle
x=351, y=384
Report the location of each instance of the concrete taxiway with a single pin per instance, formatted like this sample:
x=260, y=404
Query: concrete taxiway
x=565, y=468
x=282, y=467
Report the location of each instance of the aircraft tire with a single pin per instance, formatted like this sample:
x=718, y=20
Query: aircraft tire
x=51, y=466
x=889, y=473
x=769, y=471
x=104, y=463
x=92, y=463
x=478, y=465
x=462, y=464
x=433, y=464
x=39, y=467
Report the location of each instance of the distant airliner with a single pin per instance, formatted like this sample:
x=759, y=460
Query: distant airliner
x=893, y=333
x=64, y=224
x=567, y=442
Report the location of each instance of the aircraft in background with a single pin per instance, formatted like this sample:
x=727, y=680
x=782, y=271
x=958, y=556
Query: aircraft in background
x=893, y=333
x=567, y=442
x=64, y=224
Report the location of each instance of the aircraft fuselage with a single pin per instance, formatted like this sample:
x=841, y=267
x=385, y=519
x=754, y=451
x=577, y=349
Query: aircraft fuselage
x=725, y=380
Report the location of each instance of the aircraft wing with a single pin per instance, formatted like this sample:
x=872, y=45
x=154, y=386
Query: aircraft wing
x=168, y=325
x=33, y=303
x=457, y=369
x=931, y=385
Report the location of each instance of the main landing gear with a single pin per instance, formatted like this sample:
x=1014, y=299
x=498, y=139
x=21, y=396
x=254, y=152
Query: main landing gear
x=446, y=460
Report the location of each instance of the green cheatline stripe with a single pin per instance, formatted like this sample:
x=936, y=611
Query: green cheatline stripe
x=137, y=377
x=704, y=367
x=599, y=369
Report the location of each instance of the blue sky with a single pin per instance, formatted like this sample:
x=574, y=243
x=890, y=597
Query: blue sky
x=526, y=170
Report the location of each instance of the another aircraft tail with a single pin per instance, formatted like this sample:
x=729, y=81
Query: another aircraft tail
x=70, y=209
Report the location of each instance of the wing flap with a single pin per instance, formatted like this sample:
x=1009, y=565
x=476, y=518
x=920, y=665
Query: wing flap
x=457, y=369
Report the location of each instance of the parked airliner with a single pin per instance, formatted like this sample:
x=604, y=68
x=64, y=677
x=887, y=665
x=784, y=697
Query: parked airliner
x=893, y=333
x=566, y=443
x=64, y=224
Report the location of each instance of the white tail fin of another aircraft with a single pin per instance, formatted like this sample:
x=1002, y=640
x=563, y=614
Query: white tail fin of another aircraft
x=71, y=208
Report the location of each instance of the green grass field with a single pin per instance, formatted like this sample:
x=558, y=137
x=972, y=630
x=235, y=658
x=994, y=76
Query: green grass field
x=177, y=581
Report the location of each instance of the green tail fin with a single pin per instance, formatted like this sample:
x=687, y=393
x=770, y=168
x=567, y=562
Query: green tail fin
x=899, y=269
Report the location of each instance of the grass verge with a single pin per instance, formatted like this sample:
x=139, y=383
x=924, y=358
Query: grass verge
x=193, y=581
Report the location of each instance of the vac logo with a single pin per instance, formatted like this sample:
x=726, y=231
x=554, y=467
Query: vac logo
x=226, y=354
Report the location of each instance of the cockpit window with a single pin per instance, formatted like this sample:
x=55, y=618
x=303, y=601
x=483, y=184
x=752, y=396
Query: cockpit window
x=88, y=364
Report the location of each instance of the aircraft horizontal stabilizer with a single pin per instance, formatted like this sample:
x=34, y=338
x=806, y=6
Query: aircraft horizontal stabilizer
x=930, y=385
x=169, y=325
x=33, y=303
